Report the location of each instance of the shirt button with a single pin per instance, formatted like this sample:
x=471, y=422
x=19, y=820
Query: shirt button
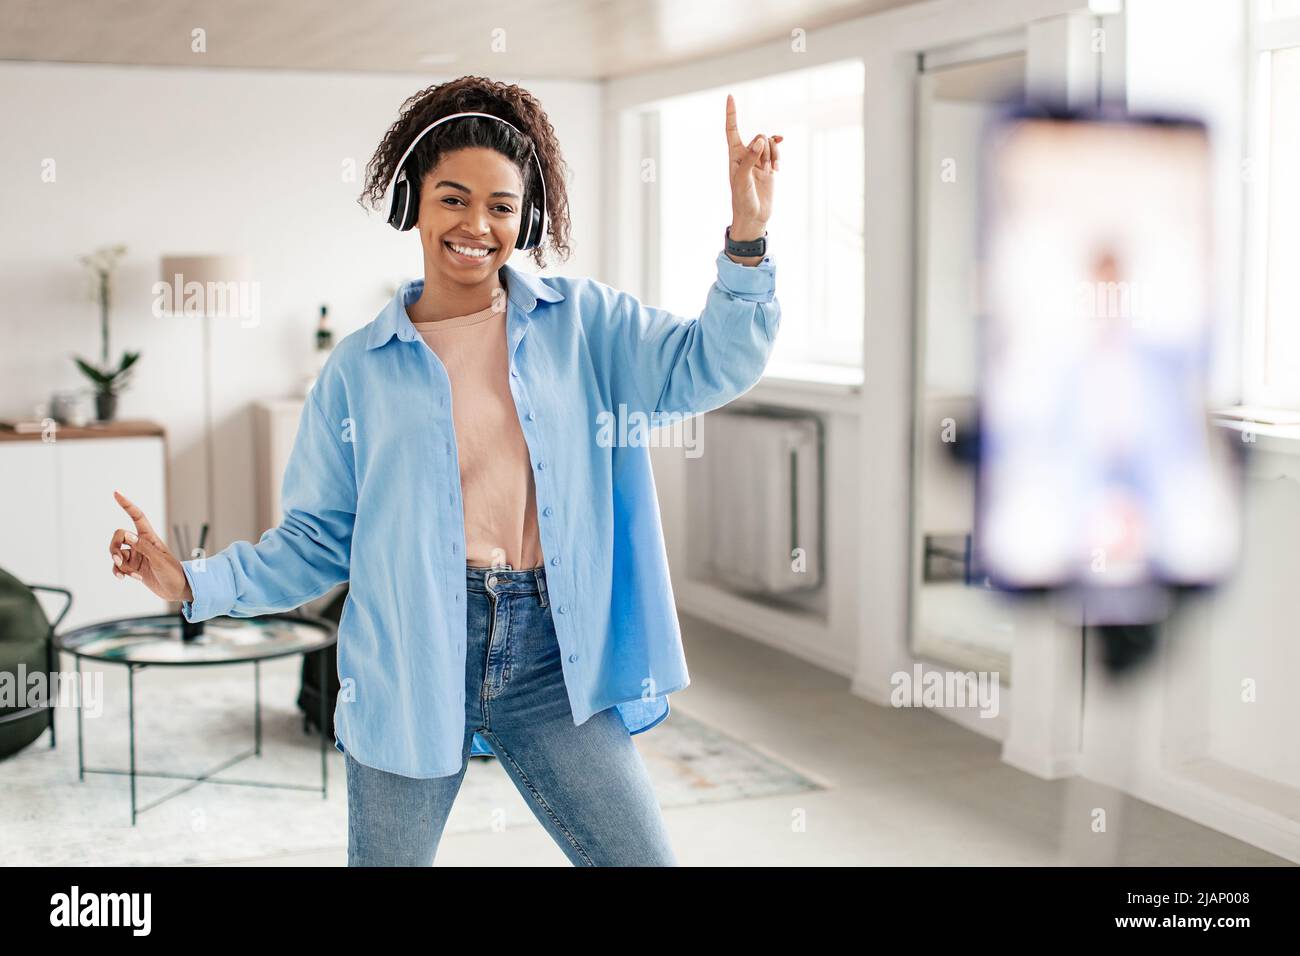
x=572, y=658
x=457, y=597
x=555, y=560
x=541, y=465
x=453, y=547
x=531, y=416
x=548, y=511
x=451, y=498
x=564, y=609
x=514, y=372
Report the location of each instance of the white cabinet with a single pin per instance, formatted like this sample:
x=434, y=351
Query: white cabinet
x=275, y=426
x=60, y=515
x=28, y=490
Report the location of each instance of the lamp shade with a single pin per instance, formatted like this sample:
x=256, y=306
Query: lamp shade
x=213, y=285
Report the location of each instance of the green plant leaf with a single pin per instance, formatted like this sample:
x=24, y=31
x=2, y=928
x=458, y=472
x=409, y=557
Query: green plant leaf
x=91, y=372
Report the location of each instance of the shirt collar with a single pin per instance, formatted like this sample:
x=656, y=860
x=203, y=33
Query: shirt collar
x=524, y=289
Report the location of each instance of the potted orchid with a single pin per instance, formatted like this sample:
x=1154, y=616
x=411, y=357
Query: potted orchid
x=108, y=381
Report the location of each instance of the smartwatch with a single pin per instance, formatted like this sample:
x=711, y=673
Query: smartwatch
x=747, y=249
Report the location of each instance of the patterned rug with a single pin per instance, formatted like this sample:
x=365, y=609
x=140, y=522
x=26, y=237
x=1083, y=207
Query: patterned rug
x=190, y=720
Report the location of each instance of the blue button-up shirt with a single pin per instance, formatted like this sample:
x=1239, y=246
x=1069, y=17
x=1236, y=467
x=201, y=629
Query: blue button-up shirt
x=372, y=496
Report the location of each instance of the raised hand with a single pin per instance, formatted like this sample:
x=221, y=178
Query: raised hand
x=143, y=555
x=752, y=169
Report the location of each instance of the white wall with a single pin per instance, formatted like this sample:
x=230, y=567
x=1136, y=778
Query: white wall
x=232, y=161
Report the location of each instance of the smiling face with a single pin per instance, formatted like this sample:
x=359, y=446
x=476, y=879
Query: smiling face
x=470, y=215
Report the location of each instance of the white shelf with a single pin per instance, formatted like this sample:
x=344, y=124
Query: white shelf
x=1284, y=439
x=840, y=379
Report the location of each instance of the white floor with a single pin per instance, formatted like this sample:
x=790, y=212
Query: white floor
x=905, y=787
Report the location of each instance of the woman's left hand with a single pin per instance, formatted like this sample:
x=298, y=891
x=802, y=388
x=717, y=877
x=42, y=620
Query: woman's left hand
x=752, y=169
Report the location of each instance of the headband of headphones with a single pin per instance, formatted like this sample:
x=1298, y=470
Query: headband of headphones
x=403, y=206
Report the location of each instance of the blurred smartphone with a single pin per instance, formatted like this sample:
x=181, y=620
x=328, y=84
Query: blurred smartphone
x=1099, y=466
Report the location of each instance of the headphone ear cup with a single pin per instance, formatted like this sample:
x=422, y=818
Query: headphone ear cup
x=528, y=236
x=413, y=209
x=406, y=203
x=397, y=215
x=412, y=206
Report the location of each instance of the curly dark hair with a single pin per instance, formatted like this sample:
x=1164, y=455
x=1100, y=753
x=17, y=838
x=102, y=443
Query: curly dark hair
x=513, y=104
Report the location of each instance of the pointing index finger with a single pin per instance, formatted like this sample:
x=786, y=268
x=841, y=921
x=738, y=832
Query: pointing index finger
x=733, y=134
x=142, y=525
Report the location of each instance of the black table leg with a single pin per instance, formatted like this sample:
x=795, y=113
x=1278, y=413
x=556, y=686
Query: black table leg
x=257, y=708
x=81, y=756
x=50, y=656
x=130, y=684
x=324, y=727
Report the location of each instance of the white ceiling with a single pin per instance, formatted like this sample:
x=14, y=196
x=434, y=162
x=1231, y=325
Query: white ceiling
x=564, y=39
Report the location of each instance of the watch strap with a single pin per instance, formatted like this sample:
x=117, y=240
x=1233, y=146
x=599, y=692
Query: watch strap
x=746, y=249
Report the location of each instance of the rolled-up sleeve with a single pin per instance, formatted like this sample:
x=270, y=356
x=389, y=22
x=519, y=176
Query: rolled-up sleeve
x=661, y=363
x=309, y=552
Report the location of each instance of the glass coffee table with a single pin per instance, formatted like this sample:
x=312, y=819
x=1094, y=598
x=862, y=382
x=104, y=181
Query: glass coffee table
x=155, y=641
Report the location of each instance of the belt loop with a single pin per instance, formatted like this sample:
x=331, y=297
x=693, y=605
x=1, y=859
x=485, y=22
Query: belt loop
x=540, y=575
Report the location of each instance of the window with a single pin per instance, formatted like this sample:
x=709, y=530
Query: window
x=1272, y=9
x=817, y=218
x=1272, y=328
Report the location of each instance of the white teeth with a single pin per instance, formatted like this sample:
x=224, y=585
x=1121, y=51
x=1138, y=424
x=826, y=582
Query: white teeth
x=469, y=251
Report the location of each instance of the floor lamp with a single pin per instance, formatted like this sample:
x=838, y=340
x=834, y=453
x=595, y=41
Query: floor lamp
x=204, y=287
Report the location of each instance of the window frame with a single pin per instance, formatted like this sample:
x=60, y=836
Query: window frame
x=1264, y=37
x=640, y=129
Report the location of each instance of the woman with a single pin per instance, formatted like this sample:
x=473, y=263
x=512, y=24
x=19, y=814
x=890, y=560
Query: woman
x=508, y=584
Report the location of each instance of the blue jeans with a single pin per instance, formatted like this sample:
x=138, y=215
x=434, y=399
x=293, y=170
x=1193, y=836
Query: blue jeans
x=587, y=785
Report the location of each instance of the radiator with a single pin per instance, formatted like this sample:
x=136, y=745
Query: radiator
x=756, y=494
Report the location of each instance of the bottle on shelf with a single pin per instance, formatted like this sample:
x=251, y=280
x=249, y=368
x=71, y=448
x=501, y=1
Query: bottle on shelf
x=324, y=334
x=324, y=343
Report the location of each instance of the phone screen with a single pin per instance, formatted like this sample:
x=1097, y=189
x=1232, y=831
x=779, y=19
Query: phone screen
x=1098, y=462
